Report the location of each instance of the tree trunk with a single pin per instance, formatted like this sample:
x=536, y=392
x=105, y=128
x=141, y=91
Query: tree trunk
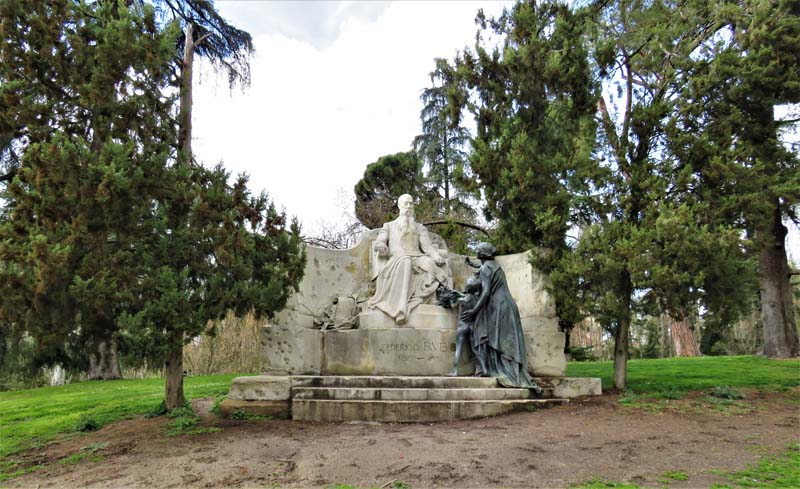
x=57, y=376
x=173, y=365
x=173, y=362
x=622, y=335
x=103, y=362
x=682, y=336
x=185, y=109
x=780, y=329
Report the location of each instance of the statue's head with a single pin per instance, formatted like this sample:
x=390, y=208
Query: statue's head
x=486, y=251
x=405, y=203
x=473, y=285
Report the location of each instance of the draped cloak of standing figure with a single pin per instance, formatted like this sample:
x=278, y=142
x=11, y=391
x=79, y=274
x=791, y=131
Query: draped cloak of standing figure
x=497, y=333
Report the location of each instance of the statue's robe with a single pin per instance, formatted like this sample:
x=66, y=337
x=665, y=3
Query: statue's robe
x=497, y=330
x=409, y=276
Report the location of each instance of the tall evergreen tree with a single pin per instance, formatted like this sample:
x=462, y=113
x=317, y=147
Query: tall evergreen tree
x=214, y=248
x=443, y=149
x=639, y=238
x=533, y=100
x=110, y=230
x=654, y=243
x=81, y=93
x=726, y=133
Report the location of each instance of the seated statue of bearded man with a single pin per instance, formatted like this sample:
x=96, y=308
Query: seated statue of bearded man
x=408, y=267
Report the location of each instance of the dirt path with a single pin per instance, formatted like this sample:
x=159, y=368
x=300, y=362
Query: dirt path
x=549, y=449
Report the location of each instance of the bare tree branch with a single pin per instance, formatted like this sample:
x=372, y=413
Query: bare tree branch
x=460, y=223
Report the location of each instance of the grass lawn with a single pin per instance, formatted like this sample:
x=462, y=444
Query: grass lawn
x=32, y=417
x=699, y=373
x=35, y=416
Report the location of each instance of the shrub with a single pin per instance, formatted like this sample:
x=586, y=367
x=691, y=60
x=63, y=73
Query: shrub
x=87, y=423
x=726, y=392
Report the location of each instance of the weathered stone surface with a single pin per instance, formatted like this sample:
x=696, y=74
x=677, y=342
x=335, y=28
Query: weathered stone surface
x=389, y=351
x=291, y=350
x=392, y=351
x=328, y=274
x=323, y=410
x=393, y=382
x=344, y=275
x=570, y=387
x=409, y=394
x=546, y=353
x=424, y=316
x=275, y=409
x=535, y=324
x=261, y=388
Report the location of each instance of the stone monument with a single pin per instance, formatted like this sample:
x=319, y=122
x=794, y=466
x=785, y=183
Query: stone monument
x=363, y=338
x=370, y=310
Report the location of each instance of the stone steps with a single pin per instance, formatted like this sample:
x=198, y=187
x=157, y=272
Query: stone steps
x=409, y=394
x=399, y=382
x=405, y=399
x=399, y=399
x=338, y=410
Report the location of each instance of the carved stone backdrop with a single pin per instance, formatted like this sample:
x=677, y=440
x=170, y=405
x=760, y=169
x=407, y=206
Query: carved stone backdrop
x=326, y=329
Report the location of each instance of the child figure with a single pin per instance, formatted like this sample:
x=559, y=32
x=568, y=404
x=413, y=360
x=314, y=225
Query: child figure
x=449, y=298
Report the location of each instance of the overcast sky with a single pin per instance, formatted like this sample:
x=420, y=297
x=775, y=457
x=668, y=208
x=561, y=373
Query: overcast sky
x=335, y=86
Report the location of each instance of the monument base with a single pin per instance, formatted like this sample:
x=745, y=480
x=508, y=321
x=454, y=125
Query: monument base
x=393, y=398
x=292, y=350
x=394, y=351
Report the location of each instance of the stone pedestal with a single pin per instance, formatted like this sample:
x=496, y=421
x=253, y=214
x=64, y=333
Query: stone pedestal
x=390, y=351
x=424, y=316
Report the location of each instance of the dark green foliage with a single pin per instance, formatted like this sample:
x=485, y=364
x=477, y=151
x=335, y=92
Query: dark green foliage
x=158, y=410
x=105, y=235
x=95, y=143
x=726, y=392
x=87, y=424
x=645, y=243
x=533, y=99
x=449, y=181
x=726, y=136
x=214, y=248
x=384, y=181
x=581, y=354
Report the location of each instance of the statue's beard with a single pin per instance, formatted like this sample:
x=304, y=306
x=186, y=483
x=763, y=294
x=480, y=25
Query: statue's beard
x=407, y=222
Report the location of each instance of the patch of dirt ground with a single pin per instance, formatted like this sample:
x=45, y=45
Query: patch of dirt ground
x=551, y=448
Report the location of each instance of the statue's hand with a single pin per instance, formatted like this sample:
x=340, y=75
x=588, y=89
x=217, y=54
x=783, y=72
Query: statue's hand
x=381, y=249
x=439, y=260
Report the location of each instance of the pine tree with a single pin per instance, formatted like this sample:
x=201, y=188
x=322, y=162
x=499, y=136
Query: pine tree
x=214, y=249
x=653, y=242
x=614, y=208
x=533, y=100
x=726, y=133
x=384, y=181
x=109, y=228
x=443, y=149
x=81, y=94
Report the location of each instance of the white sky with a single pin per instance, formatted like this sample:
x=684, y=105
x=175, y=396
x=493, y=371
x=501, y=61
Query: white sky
x=335, y=86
